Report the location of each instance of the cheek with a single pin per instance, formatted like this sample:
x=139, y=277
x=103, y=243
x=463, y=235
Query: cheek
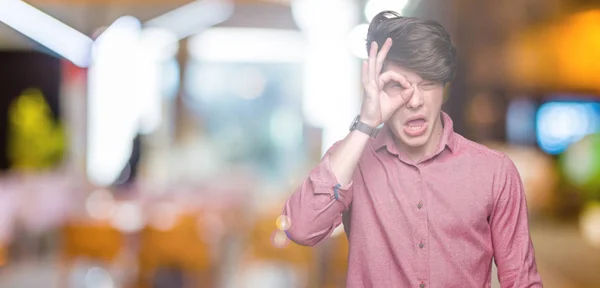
x=434, y=98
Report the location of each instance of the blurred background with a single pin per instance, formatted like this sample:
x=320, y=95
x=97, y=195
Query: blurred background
x=153, y=143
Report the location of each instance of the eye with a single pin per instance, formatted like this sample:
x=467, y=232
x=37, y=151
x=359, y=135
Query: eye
x=394, y=85
x=428, y=85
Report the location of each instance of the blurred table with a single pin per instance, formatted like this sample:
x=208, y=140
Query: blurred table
x=564, y=259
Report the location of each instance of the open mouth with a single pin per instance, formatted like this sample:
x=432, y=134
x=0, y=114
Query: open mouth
x=415, y=126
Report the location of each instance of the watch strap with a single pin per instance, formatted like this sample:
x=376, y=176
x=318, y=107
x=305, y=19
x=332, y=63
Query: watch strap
x=362, y=127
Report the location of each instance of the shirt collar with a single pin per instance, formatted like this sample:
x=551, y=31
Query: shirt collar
x=448, y=139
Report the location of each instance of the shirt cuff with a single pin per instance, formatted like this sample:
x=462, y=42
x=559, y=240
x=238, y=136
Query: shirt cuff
x=325, y=181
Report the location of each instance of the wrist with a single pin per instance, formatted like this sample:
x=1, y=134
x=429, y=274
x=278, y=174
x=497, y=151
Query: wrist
x=370, y=123
x=364, y=126
x=359, y=135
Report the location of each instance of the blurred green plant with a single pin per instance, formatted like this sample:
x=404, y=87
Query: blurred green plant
x=580, y=164
x=35, y=141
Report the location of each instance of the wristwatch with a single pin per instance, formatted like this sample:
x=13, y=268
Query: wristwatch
x=364, y=128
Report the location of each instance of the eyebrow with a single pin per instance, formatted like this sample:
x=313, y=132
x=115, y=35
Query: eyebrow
x=385, y=68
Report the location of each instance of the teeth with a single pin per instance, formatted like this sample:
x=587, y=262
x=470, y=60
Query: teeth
x=416, y=128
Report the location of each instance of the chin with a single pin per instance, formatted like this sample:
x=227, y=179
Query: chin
x=414, y=142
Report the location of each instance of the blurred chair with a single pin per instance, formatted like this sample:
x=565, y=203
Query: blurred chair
x=270, y=252
x=95, y=241
x=177, y=253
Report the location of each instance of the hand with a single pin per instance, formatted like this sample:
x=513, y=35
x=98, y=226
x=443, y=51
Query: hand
x=378, y=106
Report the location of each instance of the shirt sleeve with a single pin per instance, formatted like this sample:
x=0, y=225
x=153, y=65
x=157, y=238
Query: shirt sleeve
x=315, y=209
x=513, y=250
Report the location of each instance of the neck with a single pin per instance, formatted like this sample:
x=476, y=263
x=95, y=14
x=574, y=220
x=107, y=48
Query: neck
x=418, y=153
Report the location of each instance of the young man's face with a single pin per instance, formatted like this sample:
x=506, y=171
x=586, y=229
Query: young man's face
x=414, y=123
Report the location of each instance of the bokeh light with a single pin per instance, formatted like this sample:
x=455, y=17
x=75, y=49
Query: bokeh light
x=127, y=217
x=561, y=123
x=211, y=226
x=163, y=216
x=283, y=222
x=581, y=164
x=100, y=204
x=589, y=222
x=279, y=239
x=97, y=277
x=251, y=83
x=483, y=109
x=520, y=121
x=373, y=7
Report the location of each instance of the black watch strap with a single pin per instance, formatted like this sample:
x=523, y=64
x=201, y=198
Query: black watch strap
x=364, y=128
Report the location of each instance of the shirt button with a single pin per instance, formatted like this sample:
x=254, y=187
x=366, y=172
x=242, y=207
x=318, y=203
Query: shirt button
x=420, y=205
x=422, y=285
x=421, y=245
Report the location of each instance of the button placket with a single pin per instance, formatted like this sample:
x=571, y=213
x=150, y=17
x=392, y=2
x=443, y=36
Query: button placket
x=422, y=215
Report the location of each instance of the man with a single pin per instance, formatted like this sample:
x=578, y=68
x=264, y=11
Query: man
x=422, y=206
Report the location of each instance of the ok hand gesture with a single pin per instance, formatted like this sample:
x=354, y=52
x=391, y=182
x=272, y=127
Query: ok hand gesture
x=378, y=106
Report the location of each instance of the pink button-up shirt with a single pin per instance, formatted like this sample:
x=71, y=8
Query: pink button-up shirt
x=435, y=223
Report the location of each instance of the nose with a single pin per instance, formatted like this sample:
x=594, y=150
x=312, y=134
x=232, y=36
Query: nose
x=416, y=101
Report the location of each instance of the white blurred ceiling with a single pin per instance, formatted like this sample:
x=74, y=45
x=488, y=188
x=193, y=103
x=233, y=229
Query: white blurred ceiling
x=88, y=18
x=85, y=18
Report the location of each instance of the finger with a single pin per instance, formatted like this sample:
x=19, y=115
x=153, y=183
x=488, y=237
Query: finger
x=405, y=96
x=372, y=61
x=365, y=73
x=388, y=76
x=383, y=54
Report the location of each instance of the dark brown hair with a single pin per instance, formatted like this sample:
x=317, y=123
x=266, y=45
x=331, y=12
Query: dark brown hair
x=421, y=46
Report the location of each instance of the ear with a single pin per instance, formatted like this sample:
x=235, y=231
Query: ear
x=446, y=92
